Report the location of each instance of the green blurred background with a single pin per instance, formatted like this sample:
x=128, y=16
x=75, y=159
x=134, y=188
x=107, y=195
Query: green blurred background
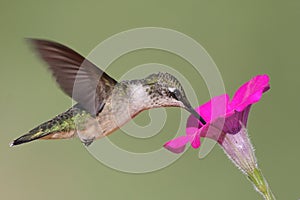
x=244, y=38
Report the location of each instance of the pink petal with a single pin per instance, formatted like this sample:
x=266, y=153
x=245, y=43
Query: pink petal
x=193, y=125
x=244, y=116
x=177, y=145
x=214, y=108
x=210, y=111
x=250, y=92
x=196, y=141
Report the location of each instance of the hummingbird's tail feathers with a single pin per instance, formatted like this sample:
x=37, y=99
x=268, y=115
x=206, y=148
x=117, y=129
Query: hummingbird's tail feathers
x=60, y=127
x=32, y=135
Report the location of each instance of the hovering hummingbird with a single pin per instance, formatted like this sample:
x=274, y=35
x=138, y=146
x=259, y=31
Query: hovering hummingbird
x=103, y=104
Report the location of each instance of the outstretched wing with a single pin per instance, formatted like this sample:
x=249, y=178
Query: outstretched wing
x=77, y=77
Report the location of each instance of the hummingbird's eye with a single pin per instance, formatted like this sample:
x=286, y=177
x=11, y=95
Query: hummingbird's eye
x=174, y=93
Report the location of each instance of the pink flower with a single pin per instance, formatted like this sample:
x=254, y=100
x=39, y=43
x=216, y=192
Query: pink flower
x=222, y=115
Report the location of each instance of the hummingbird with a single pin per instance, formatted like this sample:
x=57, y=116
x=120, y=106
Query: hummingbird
x=103, y=104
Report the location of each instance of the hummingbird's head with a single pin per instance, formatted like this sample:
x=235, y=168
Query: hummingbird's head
x=165, y=90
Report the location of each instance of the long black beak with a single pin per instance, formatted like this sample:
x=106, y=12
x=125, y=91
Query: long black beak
x=189, y=108
x=193, y=112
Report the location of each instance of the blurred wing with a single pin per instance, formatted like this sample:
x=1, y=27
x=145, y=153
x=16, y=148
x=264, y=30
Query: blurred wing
x=76, y=76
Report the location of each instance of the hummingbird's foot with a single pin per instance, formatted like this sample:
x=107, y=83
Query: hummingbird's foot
x=87, y=142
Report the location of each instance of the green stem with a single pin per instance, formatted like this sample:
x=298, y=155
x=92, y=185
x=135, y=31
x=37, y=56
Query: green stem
x=260, y=183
